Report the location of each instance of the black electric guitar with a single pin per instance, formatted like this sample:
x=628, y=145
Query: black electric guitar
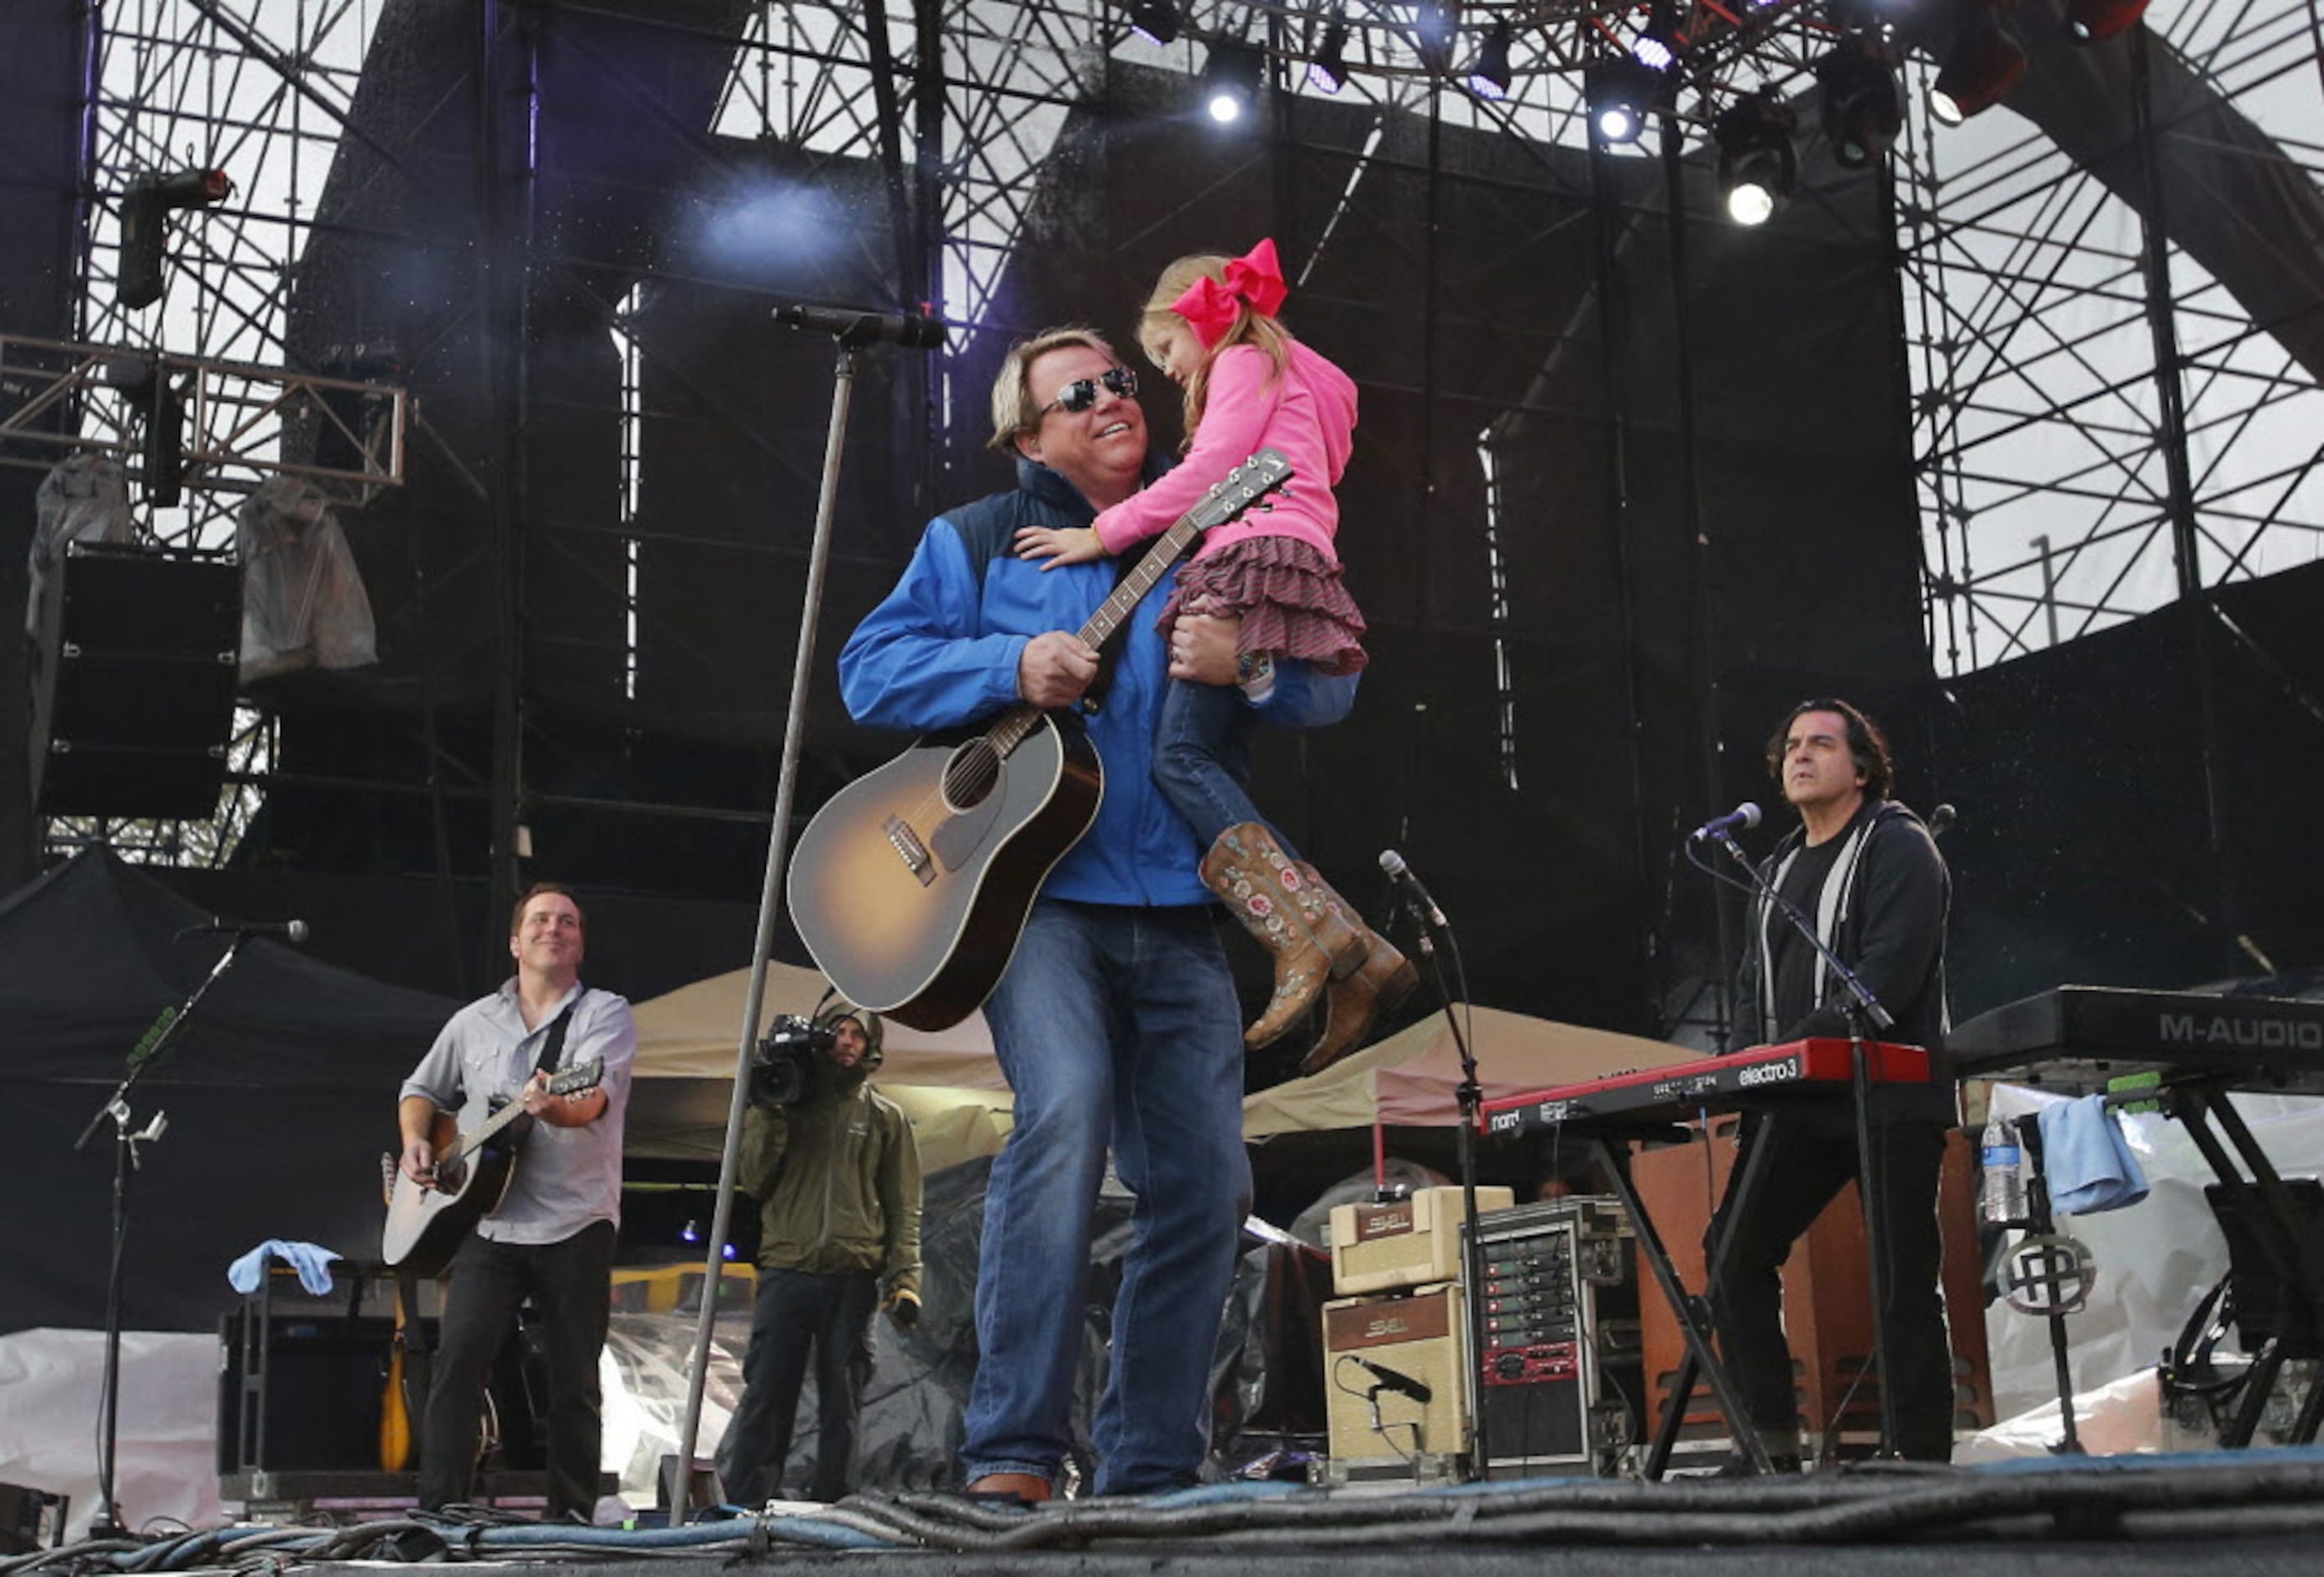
x=911, y=885
x=474, y=1169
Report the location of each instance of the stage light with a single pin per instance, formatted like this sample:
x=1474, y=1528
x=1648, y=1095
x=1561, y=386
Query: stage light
x=1656, y=49
x=145, y=207
x=1618, y=92
x=1435, y=24
x=2093, y=22
x=1156, y=19
x=1490, y=77
x=1231, y=79
x=1984, y=64
x=1863, y=107
x=1757, y=167
x=1329, y=70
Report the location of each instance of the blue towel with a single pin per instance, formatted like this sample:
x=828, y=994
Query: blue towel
x=313, y=1261
x=2086, y=1160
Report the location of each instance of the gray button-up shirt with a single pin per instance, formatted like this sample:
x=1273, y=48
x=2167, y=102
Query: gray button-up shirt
x=566, y=1177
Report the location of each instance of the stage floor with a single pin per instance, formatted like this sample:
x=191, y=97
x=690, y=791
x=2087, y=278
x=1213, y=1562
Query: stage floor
x=2255, y=1511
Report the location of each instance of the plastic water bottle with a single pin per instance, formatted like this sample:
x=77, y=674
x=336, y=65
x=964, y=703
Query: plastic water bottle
x=2002, y=1196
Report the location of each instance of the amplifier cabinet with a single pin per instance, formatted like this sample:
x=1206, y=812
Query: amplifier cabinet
x=1414, y=1241
x=1396, y=1377
x=1563, y=1382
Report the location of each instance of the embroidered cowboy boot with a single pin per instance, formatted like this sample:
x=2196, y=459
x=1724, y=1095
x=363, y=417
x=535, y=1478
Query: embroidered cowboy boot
x=1276, y=902
x=1355, y=1003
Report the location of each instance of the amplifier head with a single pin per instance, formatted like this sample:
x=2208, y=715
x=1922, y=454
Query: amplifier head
x=1404, y=1242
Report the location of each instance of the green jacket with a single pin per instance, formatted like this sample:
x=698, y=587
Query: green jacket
x=837, y=1179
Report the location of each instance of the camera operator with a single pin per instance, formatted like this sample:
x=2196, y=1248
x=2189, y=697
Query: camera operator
x=832, y=1164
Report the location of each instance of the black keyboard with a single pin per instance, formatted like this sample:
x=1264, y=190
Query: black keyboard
x=2079, y=1038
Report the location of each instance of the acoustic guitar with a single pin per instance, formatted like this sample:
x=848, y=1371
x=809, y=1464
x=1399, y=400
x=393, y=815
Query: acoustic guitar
x=474, y=1169
x=911, y=885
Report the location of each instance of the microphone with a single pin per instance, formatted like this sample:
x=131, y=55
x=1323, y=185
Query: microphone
x=1401, y=874
x=1393, y=1380
x=291, y=931
x=1743, y=817
x=1942, y=819
x=850, y=327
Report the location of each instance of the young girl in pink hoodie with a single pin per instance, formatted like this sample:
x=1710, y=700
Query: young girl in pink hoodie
x=1210, y=326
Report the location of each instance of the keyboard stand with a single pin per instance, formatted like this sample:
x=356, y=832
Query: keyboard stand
x=1693, y=1313
x=2281, y=1237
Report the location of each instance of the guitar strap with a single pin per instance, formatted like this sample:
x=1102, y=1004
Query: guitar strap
x=552, y=1045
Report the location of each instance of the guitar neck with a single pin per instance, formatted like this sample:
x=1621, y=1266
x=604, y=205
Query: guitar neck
x=478, y=1137
x=1010, y=729
x=1110, y=613
x=1249, y=482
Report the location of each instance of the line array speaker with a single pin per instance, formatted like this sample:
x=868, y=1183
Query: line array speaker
x=133, y=699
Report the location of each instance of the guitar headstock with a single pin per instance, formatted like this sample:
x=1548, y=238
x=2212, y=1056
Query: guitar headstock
x=1240, y=488
x=580, y=1077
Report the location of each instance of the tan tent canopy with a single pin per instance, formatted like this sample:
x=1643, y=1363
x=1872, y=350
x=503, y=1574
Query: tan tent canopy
x=1412, y=1078
x=951, y=1084
x=947, y=1083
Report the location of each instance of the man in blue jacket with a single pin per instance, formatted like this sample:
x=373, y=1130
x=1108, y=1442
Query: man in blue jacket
x=1117, y=1022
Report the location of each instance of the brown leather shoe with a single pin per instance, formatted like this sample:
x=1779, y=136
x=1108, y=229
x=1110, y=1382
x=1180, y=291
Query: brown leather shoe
x=1025, y=1488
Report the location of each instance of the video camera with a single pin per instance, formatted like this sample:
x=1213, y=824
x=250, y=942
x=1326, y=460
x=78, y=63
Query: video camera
x=783, y=1064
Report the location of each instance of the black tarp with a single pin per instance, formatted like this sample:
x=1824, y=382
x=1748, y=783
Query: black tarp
x=279, y=1094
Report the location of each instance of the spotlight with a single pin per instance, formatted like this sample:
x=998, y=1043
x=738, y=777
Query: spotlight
x=1490, y=77
x=1757, y=167
x=1156, y=19
x=1434, y=23
x=1863, y=107
x=2093, y=22
x=1329, y=70
x=1618, y=92
x=1984, y=64
x=1230, y=80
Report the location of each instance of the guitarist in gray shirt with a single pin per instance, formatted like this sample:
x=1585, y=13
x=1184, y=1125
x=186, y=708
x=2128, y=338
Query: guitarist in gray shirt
x=551, y=1237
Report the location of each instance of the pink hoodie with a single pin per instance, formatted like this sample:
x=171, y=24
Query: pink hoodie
x=1309, y=414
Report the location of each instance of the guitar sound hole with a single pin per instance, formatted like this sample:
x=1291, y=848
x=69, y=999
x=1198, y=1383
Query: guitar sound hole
x=970, y=775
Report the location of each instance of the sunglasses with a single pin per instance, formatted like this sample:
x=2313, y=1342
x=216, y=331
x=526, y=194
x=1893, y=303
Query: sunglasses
x=1082, y=393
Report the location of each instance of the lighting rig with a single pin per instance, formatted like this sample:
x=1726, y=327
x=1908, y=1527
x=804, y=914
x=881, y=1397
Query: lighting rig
x=1750, y=76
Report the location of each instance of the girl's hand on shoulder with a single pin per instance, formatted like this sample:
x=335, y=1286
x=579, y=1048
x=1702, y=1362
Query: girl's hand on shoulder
x=1059, y=545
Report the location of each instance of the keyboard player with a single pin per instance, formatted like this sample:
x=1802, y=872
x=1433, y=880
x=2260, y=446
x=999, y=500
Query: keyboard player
x=1865, y=872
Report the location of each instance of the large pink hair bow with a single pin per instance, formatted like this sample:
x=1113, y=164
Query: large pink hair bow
x=1209, y=305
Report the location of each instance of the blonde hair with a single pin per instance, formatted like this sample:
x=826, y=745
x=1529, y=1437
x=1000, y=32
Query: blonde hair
x=1251, y=327
x=1013, y=411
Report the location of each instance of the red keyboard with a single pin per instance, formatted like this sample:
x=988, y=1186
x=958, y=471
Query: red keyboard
x=1796, y=1069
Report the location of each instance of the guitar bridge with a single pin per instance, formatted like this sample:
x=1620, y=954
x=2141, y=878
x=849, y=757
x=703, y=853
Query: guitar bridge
x=914, y=852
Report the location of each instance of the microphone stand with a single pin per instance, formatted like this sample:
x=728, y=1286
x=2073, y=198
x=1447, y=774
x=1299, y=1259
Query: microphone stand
x=847, y=337
x=1863, y=1009
x=1471, y=1097
x=149, y=1050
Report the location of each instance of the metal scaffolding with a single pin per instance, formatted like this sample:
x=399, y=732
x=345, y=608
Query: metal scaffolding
x=2101, y=428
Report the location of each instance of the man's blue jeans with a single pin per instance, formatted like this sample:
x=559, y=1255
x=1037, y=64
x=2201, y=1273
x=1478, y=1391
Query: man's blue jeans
x=1115, y=1026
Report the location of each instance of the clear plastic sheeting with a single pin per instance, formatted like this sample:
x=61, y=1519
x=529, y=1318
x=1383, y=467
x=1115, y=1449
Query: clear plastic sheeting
x=2156, y=1260
x=84, y=500
x=165, y=1467
x=303, y=603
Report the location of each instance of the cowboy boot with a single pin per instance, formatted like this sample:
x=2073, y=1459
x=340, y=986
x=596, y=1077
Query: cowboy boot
x=1276, y=901
x=1355, y=1002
